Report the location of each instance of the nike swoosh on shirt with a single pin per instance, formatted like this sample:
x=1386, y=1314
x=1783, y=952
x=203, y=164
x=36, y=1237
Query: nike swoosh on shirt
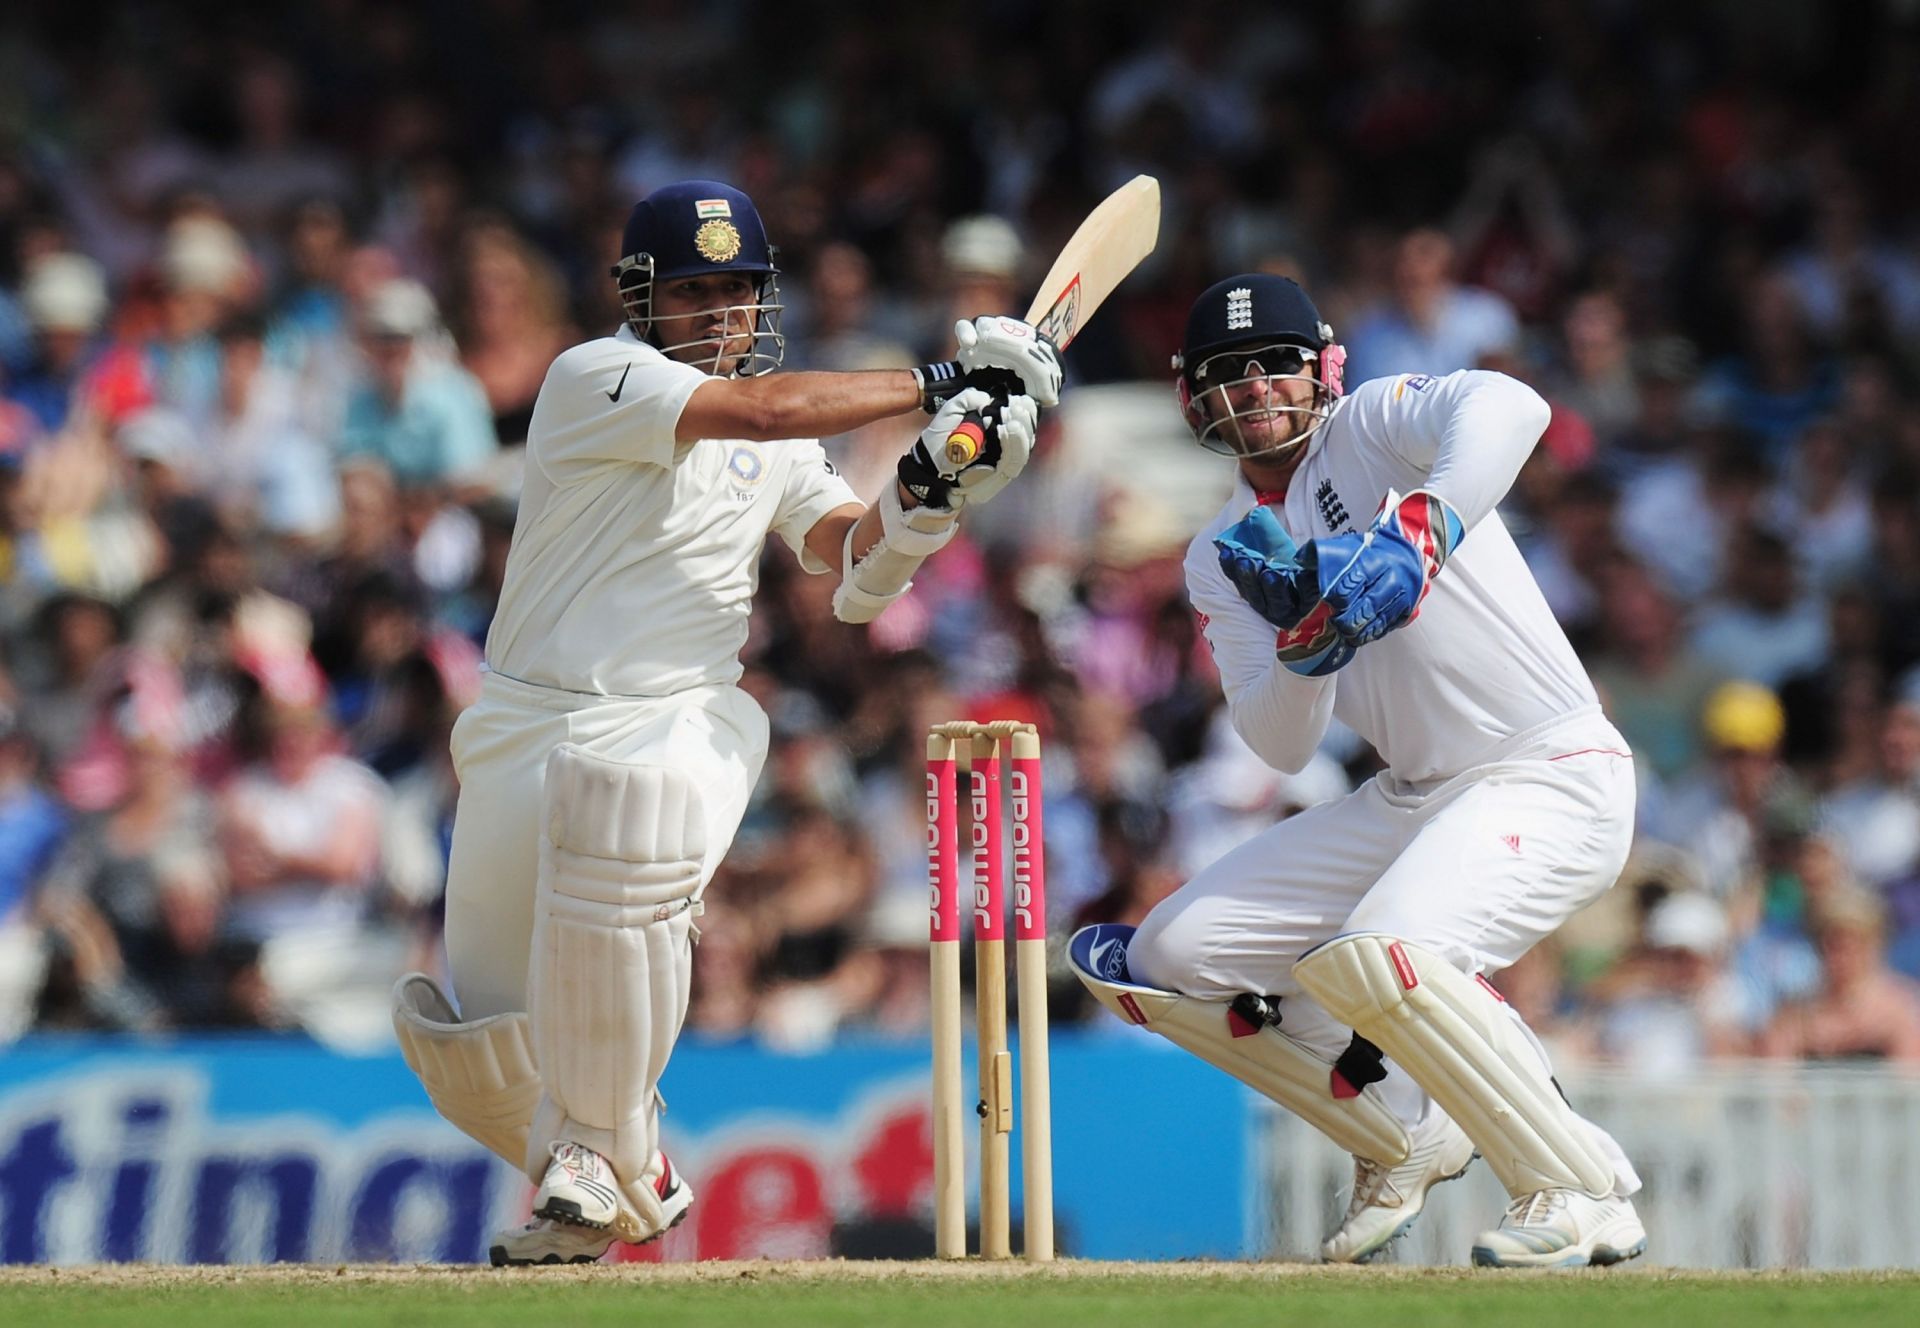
x=615, y=394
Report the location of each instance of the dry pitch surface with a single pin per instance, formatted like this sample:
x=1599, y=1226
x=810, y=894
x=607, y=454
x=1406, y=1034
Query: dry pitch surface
x=928, y=1295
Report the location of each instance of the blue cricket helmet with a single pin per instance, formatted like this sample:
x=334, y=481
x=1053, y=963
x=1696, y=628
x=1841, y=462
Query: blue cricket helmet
x=1256, y=307
x=694, y=228
x=1245, y=313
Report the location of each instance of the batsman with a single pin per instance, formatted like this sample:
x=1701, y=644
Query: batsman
x=607, y=765
x=1338, y=961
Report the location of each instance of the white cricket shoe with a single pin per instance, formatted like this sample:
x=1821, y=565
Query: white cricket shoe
x=579, y=1188
x=1386, y=1200
x=1562, y=1229
x=543, y=1241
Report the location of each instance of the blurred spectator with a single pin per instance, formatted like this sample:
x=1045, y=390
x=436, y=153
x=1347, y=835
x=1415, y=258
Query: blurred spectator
x=418, y=413
x=1780, y=382
x=1877, y=819
x=65, y=296
x=1598, y=380
x=510, y=319
x=1654, y=685
x=145, y=865
x=1824, y=500
x=1764, y=625
x=31, y=829
x=1718, y=815
x=1671, y=1003
x=1863, y=1010
x=984, y=261
x=205, y=276
x=299, y=833
x=264, y=468
x=1430, y=323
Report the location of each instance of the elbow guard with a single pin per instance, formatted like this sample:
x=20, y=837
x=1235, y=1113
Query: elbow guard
x=886, y=573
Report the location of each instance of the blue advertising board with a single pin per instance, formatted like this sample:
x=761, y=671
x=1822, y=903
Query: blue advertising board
x=245, y=1149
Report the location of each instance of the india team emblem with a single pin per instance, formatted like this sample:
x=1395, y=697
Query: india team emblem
x=717, y=241
x=746, y=466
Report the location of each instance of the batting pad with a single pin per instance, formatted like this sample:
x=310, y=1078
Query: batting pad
x=479, y=1075
x=1455, y=1036
x=1258, y=1055
x=620, y=868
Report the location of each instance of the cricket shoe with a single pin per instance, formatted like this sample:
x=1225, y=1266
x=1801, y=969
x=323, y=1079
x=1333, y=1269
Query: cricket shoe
x=1562, y=1229
x=543, y=1241
x=1386, y=1200
x=580, y=1190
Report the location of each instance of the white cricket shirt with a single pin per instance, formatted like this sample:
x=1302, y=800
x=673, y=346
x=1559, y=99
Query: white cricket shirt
x=1485, y=659
x=634, y=559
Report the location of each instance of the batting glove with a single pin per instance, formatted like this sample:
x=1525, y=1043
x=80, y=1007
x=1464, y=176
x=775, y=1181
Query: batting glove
x=1008, y=343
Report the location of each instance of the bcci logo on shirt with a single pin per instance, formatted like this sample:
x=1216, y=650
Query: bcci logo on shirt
x=745, y=467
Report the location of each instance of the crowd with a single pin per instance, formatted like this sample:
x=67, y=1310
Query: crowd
x=276, y=298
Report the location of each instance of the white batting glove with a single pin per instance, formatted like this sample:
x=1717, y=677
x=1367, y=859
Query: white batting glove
x=1015, y=424
x=1007, y=343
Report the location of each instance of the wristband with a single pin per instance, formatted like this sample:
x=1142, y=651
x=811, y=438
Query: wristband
x=937, y=382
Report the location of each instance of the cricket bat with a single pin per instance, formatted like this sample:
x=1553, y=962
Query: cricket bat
x=1109, y=244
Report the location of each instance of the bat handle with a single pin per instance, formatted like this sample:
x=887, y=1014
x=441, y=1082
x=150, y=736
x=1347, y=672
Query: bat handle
x=967, y=440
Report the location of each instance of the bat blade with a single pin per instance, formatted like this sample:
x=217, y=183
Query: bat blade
x=1108, y=245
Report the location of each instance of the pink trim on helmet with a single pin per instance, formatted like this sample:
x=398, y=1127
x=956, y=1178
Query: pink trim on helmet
x=1333, y=368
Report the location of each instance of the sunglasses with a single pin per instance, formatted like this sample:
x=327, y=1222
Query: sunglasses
x=1258, y=362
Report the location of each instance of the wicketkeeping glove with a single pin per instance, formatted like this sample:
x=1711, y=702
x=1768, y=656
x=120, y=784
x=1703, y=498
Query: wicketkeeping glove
x=1373, y=583
x=1264, y=565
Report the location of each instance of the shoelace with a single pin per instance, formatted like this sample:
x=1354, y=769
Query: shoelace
x=1369, y=1178
x=1536, y=1207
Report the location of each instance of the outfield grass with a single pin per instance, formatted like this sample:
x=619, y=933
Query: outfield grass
x=1067, y=1295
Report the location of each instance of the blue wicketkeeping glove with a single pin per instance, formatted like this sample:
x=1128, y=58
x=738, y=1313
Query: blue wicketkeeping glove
x=1373, y=583
x=1264, y=565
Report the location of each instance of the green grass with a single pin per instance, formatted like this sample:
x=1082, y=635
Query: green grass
x=1068, y=1295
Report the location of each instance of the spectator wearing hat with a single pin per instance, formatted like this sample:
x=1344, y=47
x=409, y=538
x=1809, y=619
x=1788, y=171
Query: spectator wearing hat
x=65, y=299
x=1716, y=815
x=1671, y=1003
x=206, y=275
x=982, y=260
x=416, y=411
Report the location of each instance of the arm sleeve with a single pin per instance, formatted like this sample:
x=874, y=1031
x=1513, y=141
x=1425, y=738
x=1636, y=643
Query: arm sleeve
x=1281, y=715
x=814, y=488
x=1469, y=432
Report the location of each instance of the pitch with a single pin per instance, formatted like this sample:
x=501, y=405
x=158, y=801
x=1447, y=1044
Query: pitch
x=1068, y=1294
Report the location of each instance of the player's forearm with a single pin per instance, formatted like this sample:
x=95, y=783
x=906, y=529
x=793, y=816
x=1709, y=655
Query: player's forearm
x=1494, y=425
x=797, y=405
x=1280, y=714
x=1283, y=717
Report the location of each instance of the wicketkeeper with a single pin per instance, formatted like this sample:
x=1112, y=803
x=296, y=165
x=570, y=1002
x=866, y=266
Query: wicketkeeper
x=1337, y=962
